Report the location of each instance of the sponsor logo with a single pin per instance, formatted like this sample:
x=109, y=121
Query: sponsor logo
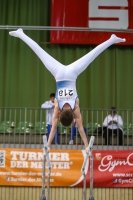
x=109, y=164
x=2, y=158
x=58, y=160
x=98, y=156
x=7, y=178
x=125, y=181
x=115, y=180
x=108, y=14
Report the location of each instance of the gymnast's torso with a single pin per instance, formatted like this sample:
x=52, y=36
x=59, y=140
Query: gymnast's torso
x=66, y=93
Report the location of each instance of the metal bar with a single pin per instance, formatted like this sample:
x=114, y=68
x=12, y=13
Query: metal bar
x=89, y=154
x=102, y=129
x=90, y=146
x=9, y=142
x=19, y=138
x=40, y=127
x=84, y=164
x=84, y=190
x=92, y=121
x=91, y=178
x=127, y=128
x=46, y=152
x=35, y=133
x=97, y=127
x=43, y=197
x=4, y=140
x=48, y=189
x=30, y=127
x=25, y=118
x=87, y=123
x=84, y=176
x=63, y=28
x=43, y=175
x=15, y=125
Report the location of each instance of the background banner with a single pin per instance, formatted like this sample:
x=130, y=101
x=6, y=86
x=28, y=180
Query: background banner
x=103, y=14
x=23, y=167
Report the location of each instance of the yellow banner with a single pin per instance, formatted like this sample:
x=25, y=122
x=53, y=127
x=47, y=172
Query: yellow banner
x=23, y=167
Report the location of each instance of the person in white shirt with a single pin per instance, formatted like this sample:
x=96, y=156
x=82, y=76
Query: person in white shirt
x=49, y=106
x=66, y=101
x=114, y=124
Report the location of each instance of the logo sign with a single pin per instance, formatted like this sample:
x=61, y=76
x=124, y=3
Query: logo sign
x=108, y=14
x=23, y=167
x=102, y=14
x=2, y=158
x=98, y=156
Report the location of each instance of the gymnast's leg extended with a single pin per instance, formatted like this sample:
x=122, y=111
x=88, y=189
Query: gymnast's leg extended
x=50, y=63
x=54, y=66
x=81, y=64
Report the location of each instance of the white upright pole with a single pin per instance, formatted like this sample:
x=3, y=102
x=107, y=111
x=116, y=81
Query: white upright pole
x=45, y=157
x=88, y=155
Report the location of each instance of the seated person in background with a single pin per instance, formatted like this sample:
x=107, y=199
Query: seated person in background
x=49, y=106
x=74, y=130
x=114, y=124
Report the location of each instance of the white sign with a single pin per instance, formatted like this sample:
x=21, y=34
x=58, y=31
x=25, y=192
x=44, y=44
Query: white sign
x=108, y=14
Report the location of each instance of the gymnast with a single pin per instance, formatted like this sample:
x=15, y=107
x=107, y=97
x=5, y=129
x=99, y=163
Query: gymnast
x=66, y=99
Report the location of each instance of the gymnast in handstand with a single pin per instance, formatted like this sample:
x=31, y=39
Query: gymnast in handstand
x=66, y=101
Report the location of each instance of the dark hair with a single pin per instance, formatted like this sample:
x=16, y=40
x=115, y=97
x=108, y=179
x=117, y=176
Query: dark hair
x=66, y=117
x=52, y=95
x=113, y=109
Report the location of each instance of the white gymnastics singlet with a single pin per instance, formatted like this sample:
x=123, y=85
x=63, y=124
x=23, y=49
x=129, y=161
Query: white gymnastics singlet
x=66, y=93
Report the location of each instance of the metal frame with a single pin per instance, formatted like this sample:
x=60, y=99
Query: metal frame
x=45, y=158
x=88, y=155
x=63, y=28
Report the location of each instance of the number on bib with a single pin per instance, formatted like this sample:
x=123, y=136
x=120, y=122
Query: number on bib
x=65, y=94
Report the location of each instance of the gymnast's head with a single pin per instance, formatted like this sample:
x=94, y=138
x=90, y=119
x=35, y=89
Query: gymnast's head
x=66, y=116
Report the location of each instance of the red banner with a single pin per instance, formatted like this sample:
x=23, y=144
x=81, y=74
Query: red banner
x=112, y=169
x=23, y=167
x=103, y=14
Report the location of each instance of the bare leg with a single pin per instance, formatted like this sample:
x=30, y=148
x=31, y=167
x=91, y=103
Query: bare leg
x=80, y=65
x=50, y=63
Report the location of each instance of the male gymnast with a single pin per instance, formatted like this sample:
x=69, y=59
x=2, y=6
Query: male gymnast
x=66, y=100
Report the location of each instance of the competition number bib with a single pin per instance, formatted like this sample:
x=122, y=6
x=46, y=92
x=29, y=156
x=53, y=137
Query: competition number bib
x=65, y=94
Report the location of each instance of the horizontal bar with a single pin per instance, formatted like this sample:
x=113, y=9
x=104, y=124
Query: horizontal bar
x=61, y=28
x=98, y=109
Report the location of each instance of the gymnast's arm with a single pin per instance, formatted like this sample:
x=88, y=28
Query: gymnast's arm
x=78, y=118
x=54, y=123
